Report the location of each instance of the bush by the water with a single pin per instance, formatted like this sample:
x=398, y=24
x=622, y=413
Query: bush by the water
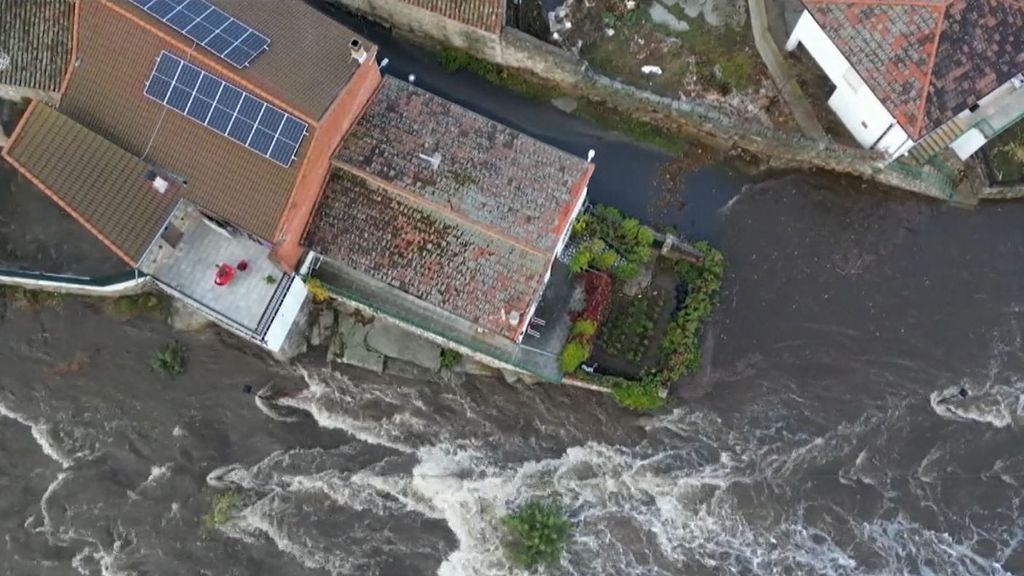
x=640, y=396
x=537, y=534
x=317, y=290
x=169, y=359
x=574, y=354
x=450, y=358
x=221, y=506
x=597, y=289
x=611, y=242
x=680, y=348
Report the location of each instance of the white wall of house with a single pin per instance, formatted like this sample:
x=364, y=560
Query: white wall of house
x=289, y=310
x=997, y=111
x=860, y=110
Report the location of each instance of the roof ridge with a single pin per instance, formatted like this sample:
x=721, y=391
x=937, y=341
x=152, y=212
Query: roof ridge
x=931, y=68
x=210, y=62
x=446, y=212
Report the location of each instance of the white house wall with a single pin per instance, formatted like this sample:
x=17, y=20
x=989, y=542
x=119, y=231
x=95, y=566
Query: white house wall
x=860, y=110
x=286, y=315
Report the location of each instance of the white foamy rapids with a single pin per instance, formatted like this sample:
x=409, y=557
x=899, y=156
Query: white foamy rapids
x=995, y=404
x=41, y=433
x=327, y=401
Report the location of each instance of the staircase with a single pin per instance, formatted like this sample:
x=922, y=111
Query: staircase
x=938, y=140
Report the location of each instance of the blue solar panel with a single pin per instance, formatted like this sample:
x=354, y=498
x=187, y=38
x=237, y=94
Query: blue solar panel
x=209, y=26
x=225, y=109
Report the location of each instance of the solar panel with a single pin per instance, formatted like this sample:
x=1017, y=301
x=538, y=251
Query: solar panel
x=209, y=26
x=225, y=109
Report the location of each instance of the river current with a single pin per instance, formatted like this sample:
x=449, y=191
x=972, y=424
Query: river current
x=818, y=438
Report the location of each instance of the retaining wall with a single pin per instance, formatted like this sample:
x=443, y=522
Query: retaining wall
x=106, y=288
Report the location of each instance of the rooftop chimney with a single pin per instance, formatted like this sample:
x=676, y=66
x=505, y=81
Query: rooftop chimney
x=358, y=53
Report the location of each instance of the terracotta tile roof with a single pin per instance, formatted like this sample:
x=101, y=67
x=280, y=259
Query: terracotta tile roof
x=488, y=173
x=105, y=94
x=104, y=186
x=36, y=35
x=927, y=60
x=487, y=15
x=425, y=253
x=307, y=64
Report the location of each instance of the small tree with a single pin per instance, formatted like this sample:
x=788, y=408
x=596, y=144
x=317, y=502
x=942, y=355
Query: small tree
x=605, y=260
x=221, y=506
x=584, y=328
x=317, y=290
x=170, y=359
x=642, y=396
x=537, y=534
x=450, y=358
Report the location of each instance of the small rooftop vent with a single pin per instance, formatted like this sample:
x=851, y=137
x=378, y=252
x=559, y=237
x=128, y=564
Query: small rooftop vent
x=159, y=184
x=358, y=52
x=513, y=318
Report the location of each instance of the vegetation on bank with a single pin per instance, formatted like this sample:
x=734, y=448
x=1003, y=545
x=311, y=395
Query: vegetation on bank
x=1005, y=156
x=222, y=505
x=170, y=359
x=137, y=305
x=623, y=324
x=317, y=290
x=537, y=533
x=529, y=86
x=450, y=358
x=610, y=242
x=34, y=299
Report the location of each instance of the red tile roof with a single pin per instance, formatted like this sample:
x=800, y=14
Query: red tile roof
x=457, y=210
x=927, y=60
x=487, y=15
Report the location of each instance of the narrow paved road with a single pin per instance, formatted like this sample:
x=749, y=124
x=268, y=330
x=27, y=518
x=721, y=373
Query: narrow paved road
x=627, y=171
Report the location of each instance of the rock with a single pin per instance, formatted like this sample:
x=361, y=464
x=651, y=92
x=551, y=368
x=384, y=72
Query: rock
x=661, y=15
x=565, y=104
x=477, y=368
x=186, y=318
x=395, y=342
x=634, y=286
x=349, y=344
x=693, y=8
x=316, y=335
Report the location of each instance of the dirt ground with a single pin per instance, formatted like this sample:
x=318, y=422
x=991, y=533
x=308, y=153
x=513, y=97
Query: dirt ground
x=703, y=49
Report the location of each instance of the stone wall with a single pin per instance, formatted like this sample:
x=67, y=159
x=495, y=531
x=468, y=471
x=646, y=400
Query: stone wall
x=54, y=284
x=427, y=26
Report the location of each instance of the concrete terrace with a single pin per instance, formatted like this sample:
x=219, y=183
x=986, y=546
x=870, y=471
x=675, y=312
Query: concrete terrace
x=356, y=287
x=189, y=253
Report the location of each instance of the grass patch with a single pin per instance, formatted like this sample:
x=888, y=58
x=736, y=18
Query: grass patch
x=137, y=305
x=627, y=330
x=537, y=534
x=635, y=128
x=450, y=358
x=454, y=60
x=222, y=505
x=170, y=360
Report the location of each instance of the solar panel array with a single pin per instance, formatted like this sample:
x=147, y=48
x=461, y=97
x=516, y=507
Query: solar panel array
x=225, y=109
x=209, y=26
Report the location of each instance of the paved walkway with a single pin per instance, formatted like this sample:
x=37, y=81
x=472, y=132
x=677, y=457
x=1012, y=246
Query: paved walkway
x=791, y=93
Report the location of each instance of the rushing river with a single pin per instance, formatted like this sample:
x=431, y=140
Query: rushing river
x=816, y=440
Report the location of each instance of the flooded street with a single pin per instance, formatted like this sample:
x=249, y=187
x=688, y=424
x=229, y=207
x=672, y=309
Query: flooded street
x=816, y=440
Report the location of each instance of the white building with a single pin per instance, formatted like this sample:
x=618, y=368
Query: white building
x=919, y=76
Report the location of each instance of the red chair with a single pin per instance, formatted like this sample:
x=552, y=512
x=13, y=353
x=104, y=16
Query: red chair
x=224, y=275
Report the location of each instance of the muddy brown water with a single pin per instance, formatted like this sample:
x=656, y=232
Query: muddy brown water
x=822, y=443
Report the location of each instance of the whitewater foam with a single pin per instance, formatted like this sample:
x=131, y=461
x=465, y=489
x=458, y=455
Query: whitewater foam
x=41, y=433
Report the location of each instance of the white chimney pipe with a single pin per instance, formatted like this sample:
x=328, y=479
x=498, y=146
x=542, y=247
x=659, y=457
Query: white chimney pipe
x=358, y=52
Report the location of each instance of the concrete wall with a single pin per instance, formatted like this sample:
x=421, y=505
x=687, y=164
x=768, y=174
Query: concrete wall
x=427, y=26
x=55, y=284
x=863, y=114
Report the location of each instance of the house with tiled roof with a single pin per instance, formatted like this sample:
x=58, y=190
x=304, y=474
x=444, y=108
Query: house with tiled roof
x=919, y=76
x=226, y=148
x=471, y=25
x=194, y=139
x=35, y=47
x=450, y=216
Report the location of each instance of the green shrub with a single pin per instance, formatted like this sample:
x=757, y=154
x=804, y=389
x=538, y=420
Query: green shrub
x=736, y=71
x=537, y=534
x=221, y=506
x=605, y=260
x=641, y=396
x=317, y=290
x=169, y=360
x=579, y=261
x=574, y=353
x=450, y=358
x=584, y=328
x=625, y=271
